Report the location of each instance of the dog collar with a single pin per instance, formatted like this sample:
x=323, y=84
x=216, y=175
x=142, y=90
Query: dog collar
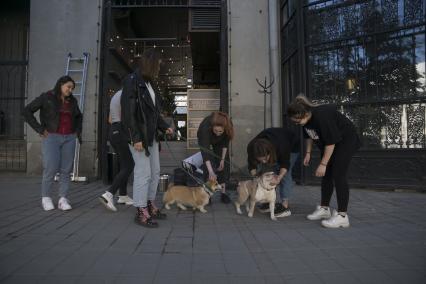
x=207, y=189
x=266, y=188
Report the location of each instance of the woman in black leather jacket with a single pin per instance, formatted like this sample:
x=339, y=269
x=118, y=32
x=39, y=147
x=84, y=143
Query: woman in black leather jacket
x=60, y=124
x=141, y=121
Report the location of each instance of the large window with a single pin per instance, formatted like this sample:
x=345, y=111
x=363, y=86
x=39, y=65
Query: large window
x=369, y=58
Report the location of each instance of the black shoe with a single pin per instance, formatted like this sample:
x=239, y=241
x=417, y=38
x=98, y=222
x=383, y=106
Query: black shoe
x=225, y=198
x=142, y=218
x=155, y=212
x=263, y=208
x=279, y=209
x=284, y=213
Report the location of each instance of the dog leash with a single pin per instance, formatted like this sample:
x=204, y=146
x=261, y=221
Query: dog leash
x=197, y=180
x=242, y=173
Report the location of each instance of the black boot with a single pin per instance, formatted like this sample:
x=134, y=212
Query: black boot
x=155, y=212
x=143, y=218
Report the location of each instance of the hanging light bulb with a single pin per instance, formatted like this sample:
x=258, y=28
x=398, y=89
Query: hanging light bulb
x=173, y=45
x=155, y=45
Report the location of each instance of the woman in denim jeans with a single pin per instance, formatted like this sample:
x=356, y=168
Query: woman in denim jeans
x=279, y=147
x=60, y=124
x=141, y=120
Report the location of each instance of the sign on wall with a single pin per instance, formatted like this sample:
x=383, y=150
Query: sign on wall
x=201, y=103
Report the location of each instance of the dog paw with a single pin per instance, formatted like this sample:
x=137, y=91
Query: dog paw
x=167, y=206
x=250, y=215
x=202, y=210
x=274, y=218
x=239, y=211
x=181, y=207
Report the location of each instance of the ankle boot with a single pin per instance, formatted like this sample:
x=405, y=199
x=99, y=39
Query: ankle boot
x=143, y=218
x=154, y=211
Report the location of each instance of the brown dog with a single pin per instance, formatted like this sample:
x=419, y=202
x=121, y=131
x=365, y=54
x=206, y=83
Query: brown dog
x=259, y=189
x=196, y=197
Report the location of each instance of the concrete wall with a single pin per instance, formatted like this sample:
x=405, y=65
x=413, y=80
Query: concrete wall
x=58, y=27
x=249, y=59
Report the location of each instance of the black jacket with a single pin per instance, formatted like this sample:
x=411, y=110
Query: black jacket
x=140, y=117
x=284, y=140
x=49, y=105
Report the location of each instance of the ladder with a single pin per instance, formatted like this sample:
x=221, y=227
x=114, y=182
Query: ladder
x=77, y=69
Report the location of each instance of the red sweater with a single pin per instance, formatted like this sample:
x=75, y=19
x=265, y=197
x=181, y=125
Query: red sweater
x=65, y=119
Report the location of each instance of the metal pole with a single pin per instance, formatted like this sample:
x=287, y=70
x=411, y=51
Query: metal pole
x=274, y=62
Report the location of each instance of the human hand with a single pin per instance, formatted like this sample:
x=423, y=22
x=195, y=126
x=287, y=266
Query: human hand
x=212, y=176
x=320, y=172
x=307, y=159
x=44, y=134
x=138, y=146
x=221, y=165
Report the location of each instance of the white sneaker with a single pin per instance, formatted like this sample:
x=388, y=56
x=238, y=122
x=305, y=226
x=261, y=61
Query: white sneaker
x=336, y=221
x=124, y=199
x=47, y=203
x=107, y=199
x=320, y=213
x=63, y=204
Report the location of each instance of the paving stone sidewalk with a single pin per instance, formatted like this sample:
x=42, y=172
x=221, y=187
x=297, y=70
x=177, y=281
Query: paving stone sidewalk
x=386, y=242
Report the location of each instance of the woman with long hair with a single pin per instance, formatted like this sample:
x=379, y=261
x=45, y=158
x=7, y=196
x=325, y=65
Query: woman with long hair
x=279, y=147
x=214, y=134
x=336, y=137
x=60, y=124
x=141, y=120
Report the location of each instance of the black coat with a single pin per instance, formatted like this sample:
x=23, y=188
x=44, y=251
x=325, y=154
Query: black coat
x=141, y=119
x=49, y=105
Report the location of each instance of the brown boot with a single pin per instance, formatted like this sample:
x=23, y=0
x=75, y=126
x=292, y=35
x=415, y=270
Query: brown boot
x=143, y=218
x=154, y=211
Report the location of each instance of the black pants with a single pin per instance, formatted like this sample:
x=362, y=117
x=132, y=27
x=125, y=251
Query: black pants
x=336, y=174
x=119, y=143
x=222, y=176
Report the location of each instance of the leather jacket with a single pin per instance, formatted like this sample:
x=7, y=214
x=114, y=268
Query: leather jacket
x=140, y=117
x=49, y=105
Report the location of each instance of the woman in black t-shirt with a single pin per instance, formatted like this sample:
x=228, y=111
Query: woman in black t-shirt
x=336, y=137
x=214, y=134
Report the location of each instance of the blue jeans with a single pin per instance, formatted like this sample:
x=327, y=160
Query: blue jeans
x=146, y=175
x=58, y=157
x=285, y=187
